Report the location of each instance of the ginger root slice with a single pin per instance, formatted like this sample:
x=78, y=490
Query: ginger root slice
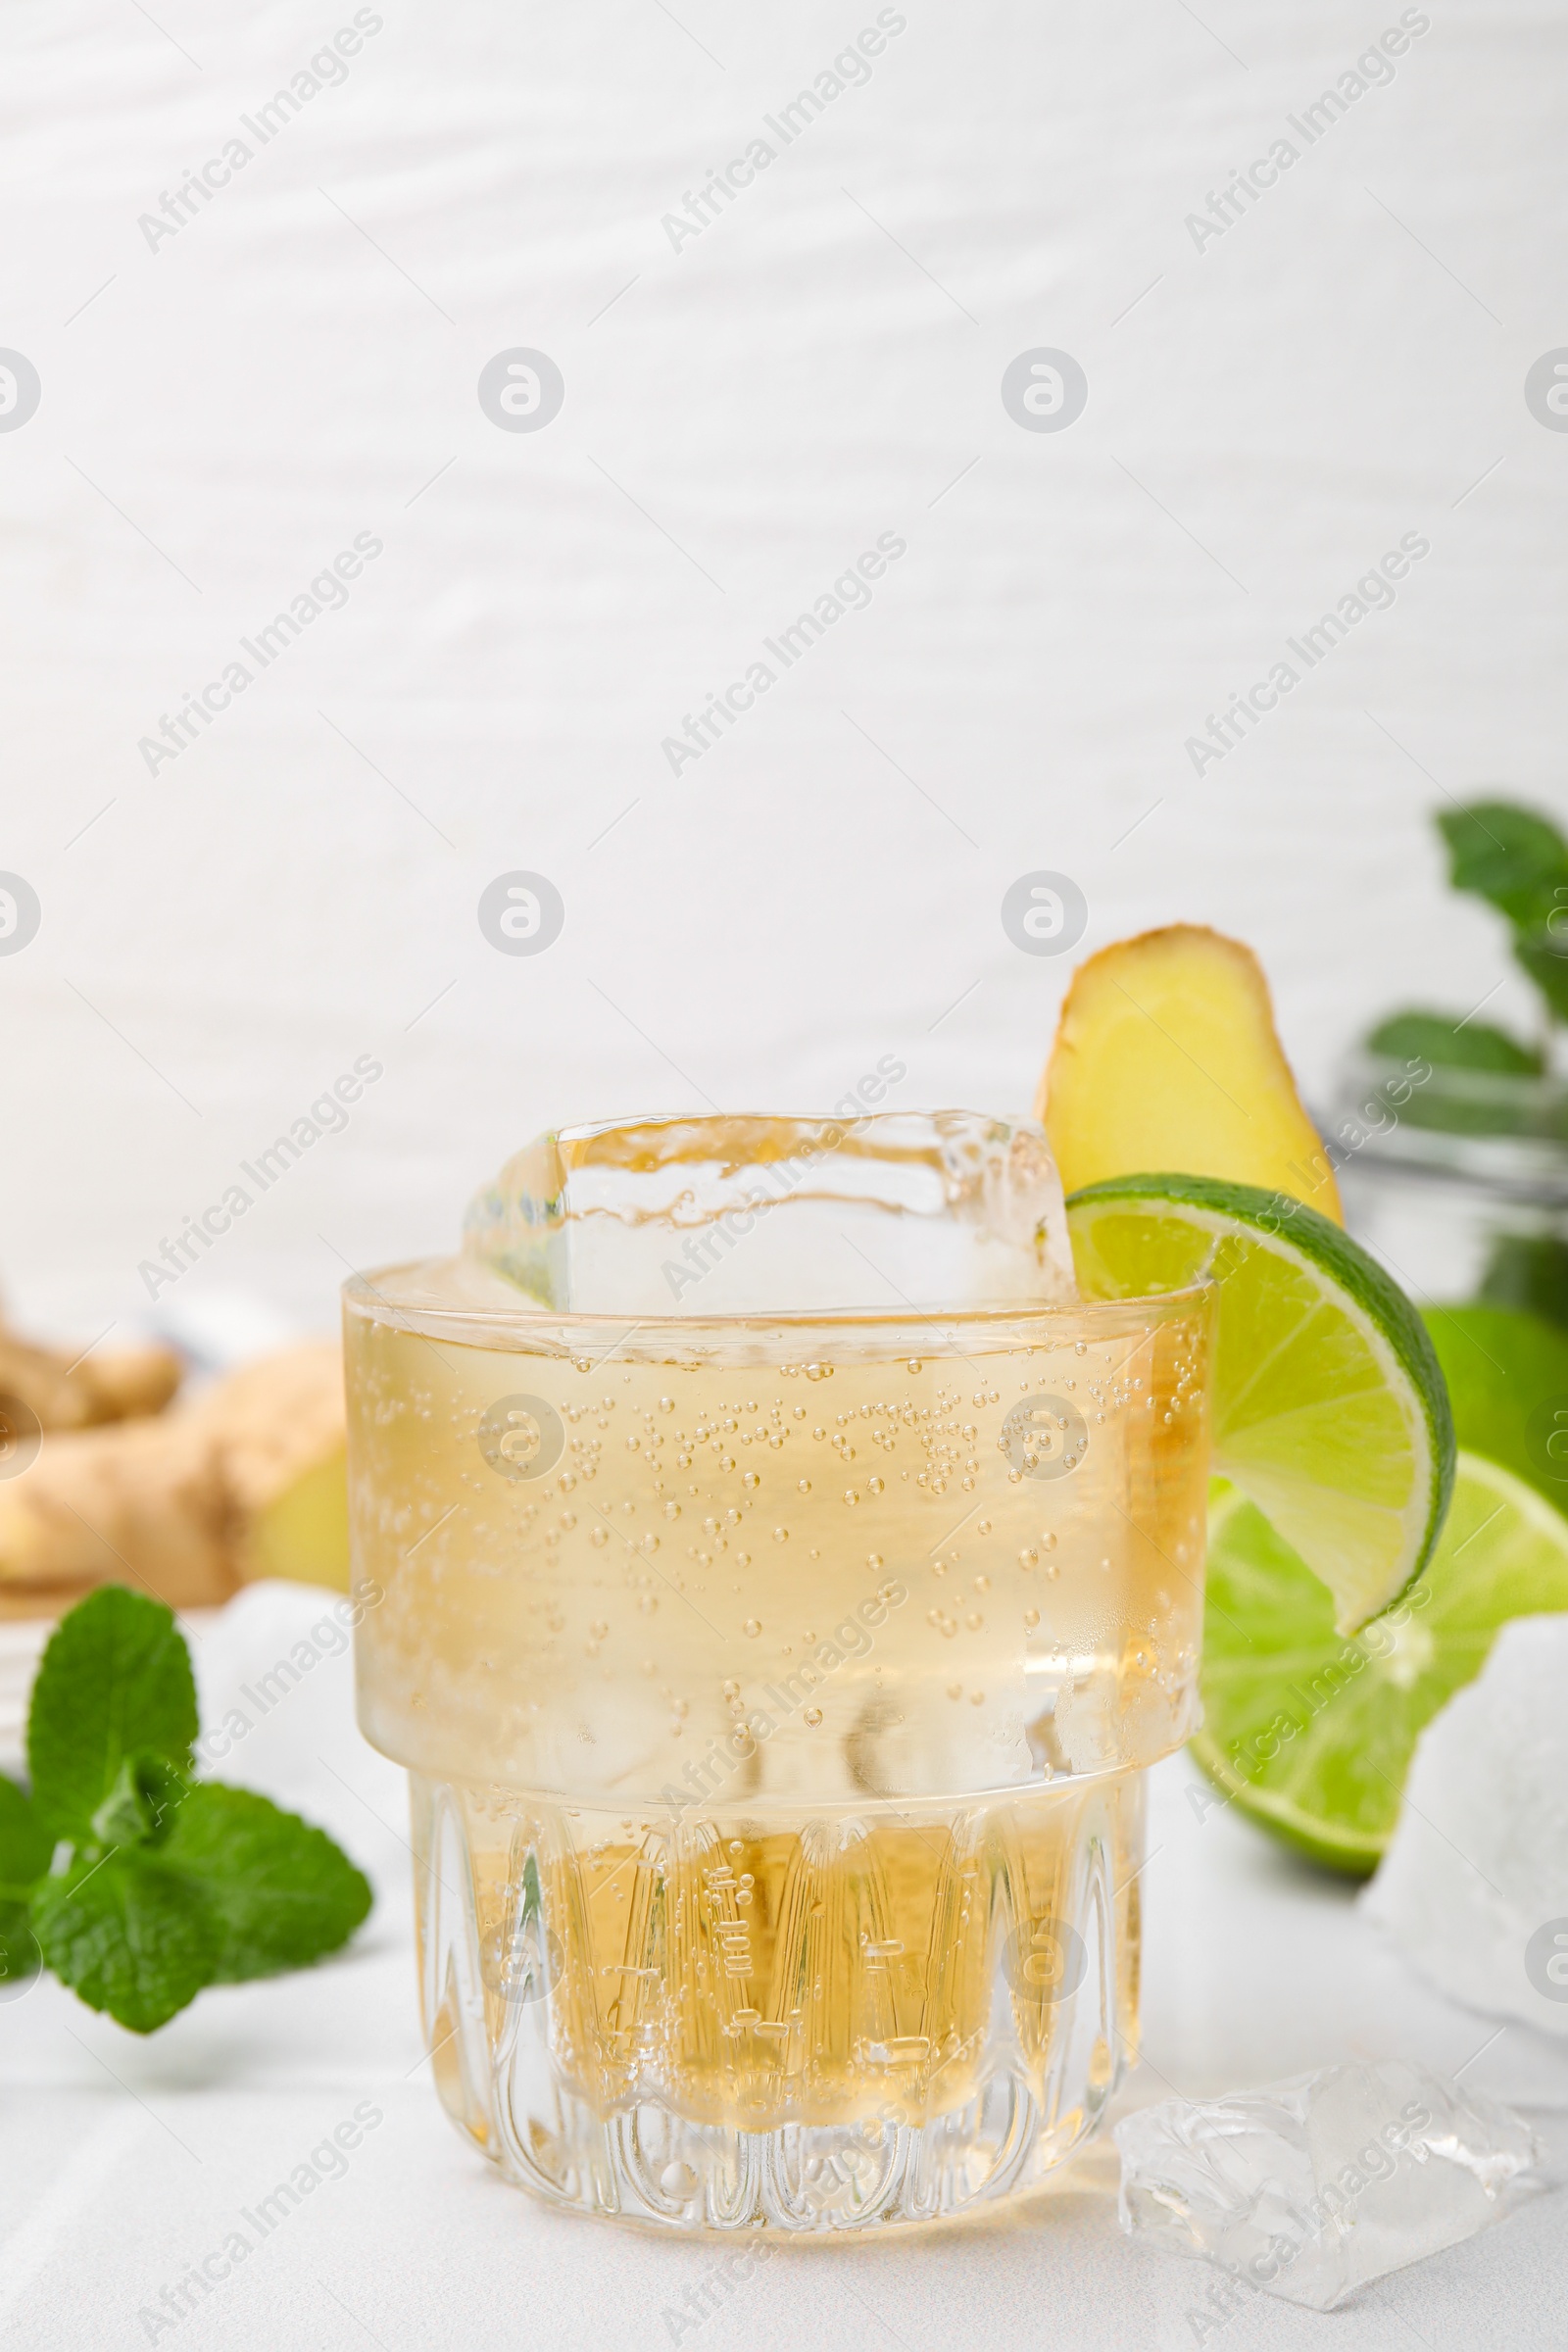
x=1166, y=1059
x=66, y=1391
x=138, y=1503
x=245, y=1481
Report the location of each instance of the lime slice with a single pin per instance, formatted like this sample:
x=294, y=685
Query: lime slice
x=1327, y=1406
x=1310, y=1732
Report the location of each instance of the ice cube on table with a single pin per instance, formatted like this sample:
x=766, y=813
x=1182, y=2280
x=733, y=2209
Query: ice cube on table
x=1309, y=2188
x=886, y=1212
x=1474, y=1886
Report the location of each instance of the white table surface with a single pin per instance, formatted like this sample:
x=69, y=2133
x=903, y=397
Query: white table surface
x=124, y=2162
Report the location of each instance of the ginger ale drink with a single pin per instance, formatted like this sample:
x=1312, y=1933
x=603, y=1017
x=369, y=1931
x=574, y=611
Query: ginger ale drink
x=786, y=1580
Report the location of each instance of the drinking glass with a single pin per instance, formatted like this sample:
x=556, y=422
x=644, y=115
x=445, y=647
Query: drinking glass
x=781, y=1583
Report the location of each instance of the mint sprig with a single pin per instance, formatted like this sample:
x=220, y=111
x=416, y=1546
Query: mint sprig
x=136, y=1884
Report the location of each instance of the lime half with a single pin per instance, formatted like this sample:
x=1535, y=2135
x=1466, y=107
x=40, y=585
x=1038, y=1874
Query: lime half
x=1327, y=1406
x=1312, y=1733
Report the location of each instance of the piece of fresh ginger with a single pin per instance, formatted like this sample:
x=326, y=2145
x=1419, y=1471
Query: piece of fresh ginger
x=81, y=1389
x=247, y=1480
x=1166, y=1058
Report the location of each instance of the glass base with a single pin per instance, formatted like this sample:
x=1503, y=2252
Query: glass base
x=870, y=2017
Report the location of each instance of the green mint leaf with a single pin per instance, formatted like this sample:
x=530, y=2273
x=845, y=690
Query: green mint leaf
x=25, y=1851
x=1507, y=856
x=1438, y=1038
x=128, y=1935
x=1543, y=954
x=281, y=1893
x=25, y=1846
x=115, y=1682
x=1529, y=1270
x=139, y=1809
x=1518, y=862
x=19, y=1947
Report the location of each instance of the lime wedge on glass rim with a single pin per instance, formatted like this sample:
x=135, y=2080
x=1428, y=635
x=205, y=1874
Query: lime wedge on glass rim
x=1327, y=1408
x=1311, y=1731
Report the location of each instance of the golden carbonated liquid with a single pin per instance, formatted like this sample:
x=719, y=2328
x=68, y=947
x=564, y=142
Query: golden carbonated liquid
x=767, y=1708
x=843, y=1971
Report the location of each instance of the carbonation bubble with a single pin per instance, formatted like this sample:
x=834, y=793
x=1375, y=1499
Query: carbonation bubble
x=813, y=1716
x=751, y=1629
x=781, y=1534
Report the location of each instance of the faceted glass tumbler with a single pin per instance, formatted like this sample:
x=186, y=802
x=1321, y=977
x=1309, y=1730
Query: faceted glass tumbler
x=776, y=1686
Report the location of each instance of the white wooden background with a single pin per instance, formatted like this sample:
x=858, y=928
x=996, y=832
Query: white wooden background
x=227, y=407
